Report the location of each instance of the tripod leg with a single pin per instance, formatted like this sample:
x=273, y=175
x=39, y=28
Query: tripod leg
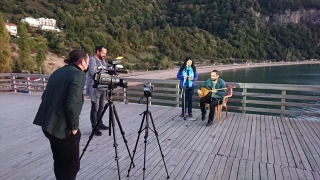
x=94, y=129
x=146, y=134
x=121, y=130
x=115, y=145
x=156, y=133
x=135, y=148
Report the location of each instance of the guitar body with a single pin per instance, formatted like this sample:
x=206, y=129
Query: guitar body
x=205, y=92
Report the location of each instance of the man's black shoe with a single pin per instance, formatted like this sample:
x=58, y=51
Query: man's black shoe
x=209, y=123
x=203, y=117
x=97, y=132
x=103, y=127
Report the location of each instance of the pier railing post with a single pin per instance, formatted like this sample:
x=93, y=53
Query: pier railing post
x=124, y=95
x=244, y=99
x=177, y=95
x=28, y=85
x=283, y=100
x=13, y=83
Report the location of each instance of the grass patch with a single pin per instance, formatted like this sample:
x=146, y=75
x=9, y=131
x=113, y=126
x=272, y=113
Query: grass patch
x=131, y=57
x=146, y=55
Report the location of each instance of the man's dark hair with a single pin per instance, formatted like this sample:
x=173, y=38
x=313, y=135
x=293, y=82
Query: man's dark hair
x=99, y=48
x=75, y=57
x=217, y=72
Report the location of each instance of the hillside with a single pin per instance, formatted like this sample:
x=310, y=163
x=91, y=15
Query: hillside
x=150, y=33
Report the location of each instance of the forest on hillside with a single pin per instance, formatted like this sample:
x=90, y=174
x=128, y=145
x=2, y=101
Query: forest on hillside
x=156, y=33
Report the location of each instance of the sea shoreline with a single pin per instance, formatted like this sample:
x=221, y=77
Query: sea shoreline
x=171, y=73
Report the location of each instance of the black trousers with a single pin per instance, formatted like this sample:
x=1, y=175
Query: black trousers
x=65, y=155
x=213, y=103
x=187, y=99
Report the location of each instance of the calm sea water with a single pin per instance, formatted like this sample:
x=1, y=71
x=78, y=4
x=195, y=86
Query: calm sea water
x=308, y=74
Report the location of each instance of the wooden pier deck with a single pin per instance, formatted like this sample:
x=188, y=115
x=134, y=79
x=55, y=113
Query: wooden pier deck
x=244, y=146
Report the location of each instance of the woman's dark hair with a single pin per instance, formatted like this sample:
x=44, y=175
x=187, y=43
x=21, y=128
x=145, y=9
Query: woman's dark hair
x=183, y=66
x=75, y=57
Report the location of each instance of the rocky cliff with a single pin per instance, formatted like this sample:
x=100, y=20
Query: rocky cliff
x=303, y=15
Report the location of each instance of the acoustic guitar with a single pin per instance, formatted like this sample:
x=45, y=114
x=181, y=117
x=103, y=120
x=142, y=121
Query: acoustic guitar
x=207, y=91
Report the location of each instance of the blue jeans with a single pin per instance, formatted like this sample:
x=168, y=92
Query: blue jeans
x=97, y=108
x=187, y=99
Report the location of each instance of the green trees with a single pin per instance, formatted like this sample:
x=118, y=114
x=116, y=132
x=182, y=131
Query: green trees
x=5, y=50
x=204, y=29
x=24, y=62
x=41, y=56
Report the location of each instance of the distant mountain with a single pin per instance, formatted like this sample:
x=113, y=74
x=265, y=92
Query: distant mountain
x=148, y=32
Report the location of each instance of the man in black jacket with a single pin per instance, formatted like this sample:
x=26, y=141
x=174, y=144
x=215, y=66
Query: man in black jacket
x=59, y=112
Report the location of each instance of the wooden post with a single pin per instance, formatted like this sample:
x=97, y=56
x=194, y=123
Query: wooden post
x=244, y=99
x=13, y=83
x=149, y=97
x=28, y=85
x=177, y=95
x=43, y=83
x=283, y=100
x=125, y=95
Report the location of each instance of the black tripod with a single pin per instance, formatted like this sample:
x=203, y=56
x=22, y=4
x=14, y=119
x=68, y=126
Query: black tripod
x=145, y=119
x=112, y=113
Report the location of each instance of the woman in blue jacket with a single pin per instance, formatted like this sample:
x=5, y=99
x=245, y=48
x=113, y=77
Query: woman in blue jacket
x=187, y=75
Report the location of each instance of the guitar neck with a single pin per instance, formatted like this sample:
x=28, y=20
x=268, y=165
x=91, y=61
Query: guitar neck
x=220, y=89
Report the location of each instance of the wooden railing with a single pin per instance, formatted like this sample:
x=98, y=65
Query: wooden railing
x=283, y=99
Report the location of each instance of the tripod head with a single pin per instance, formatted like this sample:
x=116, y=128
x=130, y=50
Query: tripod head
x=147, y=92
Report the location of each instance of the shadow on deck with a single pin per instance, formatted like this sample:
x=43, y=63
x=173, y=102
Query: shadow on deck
x=244, y=146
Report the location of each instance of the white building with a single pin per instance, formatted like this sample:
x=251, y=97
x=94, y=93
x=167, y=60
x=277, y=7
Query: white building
x=47, y=22
x=12, y=29
x=49, y=28
x=42, y=23
x=31, y=21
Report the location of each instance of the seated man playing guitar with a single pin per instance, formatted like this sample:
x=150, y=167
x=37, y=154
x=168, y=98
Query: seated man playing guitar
x=211, y=92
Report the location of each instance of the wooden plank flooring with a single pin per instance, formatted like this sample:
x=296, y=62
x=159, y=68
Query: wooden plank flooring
x=244, y=146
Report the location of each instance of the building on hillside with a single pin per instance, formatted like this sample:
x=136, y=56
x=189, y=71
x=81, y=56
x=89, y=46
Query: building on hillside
x=47, y=22
x=42, y=23
x=31, y=21
x=49, y=28
x=12, y=29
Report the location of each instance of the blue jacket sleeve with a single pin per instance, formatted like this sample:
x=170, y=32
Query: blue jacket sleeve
x=195, y=78
x=179, y=75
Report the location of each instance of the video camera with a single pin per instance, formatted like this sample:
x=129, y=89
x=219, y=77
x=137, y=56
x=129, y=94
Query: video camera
x=108, y=80
x=113, y=64
x=147, y=90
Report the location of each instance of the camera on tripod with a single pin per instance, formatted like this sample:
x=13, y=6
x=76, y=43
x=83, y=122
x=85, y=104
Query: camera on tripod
x=148, y=89
x=107, y=79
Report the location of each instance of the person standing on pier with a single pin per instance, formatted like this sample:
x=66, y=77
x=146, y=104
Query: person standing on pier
x=59, y=112
x=97, y=96
x=187, y=74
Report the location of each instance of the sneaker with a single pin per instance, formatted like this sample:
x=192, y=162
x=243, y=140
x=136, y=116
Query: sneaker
x=190, y=115
x=97, y=132
x=203, y=117
x=103, y=127
x=182, y=115
x=209, y=123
